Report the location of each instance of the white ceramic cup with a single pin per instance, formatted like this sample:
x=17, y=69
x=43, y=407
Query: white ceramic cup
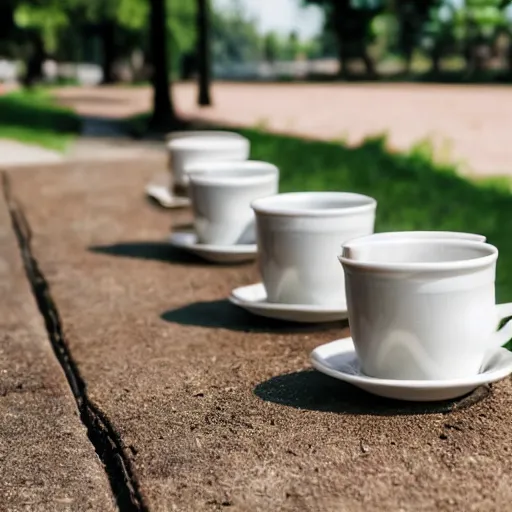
x=221, y=195
x=423, y=309
x=187, y=148
x=198, y=133
x=422, y=235
x=299, y=236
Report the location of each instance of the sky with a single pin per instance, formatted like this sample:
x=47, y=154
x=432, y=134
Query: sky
x=281, y=16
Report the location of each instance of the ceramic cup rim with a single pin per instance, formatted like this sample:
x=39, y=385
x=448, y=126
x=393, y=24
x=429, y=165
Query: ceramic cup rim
x=462, y=264
x=273, y=205
x=215, y=143
x=229, y=173
x=417, y=235
x=171, y=136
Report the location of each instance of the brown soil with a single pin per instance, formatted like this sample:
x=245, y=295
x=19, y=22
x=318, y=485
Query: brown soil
x=47, y=463
x=219, y=410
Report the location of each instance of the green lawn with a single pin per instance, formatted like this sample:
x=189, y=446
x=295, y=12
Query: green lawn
x=34, y=117
x=412, y=192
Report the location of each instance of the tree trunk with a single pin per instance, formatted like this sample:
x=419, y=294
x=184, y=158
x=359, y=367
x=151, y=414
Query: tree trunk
x=7, y=25
x=203, y=52
x=435, y=57
x=408, y=61
x=163, y=117
x=109, y=52
x=35, y=61
x=339, y=11
x=342, y=57
x=509, y=56
x=368, y=63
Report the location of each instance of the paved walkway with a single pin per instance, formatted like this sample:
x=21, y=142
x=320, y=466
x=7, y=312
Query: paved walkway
x=469, y=124
x=466, y=124
x=101, y=140
x=47, y=461
x=17, y=153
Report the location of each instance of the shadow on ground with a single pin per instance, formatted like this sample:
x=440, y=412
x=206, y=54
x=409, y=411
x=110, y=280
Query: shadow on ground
x=455, y=76
x=154, y=251
x=222, y=314
x=315, y=391
x=70, y=100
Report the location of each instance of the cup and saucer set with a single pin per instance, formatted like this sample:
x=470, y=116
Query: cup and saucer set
x=169, y=189
x=421, y=304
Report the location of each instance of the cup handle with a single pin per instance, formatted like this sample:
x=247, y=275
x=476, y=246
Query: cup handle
x=505, y=333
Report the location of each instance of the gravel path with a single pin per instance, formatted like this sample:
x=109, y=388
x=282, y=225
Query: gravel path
x=467, y=124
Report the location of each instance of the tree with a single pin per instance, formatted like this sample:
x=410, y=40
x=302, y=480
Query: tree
x=271, y=47
x=182, y=33
x=203, y=52
x=91, y=18
x=412, y=17
x=7, y=18
x=235, y=37
x=350, y=21
x=293, y=45
x=473, y=28
x=117, y=23
x=50, y=25
x=483, y=20
x=163, y=116
x=37, y=23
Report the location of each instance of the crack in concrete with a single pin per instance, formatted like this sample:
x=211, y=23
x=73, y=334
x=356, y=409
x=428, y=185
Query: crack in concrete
x=106, y=441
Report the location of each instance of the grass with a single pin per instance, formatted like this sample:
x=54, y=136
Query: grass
x=412, y=192
x=137, y=126
x=33, y=117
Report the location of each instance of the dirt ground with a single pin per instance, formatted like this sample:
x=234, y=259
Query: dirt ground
x=46, y=460
x=214, y=409
x=467, y=124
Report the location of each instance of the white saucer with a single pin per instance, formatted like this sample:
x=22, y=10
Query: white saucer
x=339, y=360
x=187, y=240
x=159, y=190
x=253, y=298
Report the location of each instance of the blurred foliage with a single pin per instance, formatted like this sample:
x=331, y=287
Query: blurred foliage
x=110, y=31
x=285, y=48
x=61, y=22
x=235, y=37
x=438, y=28
x=48, y=19
x=181, y=28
